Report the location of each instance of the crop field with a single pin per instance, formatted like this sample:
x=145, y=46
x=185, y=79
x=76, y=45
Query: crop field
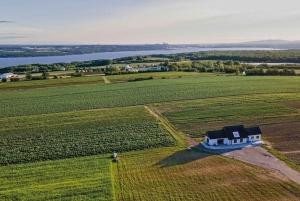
x=198, y=116
x=86, y=178
x=51, y=83
x=177, y=174
x=85, y=97
x=75, y=134
x=170, y=173
x=278, y=116
x=285, y=137
x=157, y=75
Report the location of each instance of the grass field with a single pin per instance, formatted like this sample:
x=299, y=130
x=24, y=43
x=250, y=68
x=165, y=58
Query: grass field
x=176, y=174
x=86, y=178
x=73, y=134
x=85, y=97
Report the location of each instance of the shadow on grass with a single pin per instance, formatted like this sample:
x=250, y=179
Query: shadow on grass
x=182, y=157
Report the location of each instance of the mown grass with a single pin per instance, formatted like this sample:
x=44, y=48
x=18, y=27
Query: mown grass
x=73, y=98
x=73, y=134
x=177, y=174
x=86, y=178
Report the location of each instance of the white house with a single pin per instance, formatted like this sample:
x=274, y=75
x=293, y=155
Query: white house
x=8, y=75
x=62, y=68
x=231, y=135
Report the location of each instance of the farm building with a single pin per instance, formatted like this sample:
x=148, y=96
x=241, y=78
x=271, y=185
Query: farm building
x=8, y=75
x=231, y=135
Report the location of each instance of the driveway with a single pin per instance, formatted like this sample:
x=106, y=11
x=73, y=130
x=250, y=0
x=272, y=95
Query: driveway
x=261, y=157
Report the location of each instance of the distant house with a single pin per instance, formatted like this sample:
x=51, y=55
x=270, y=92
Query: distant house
x=8, y=75
x=231, y=135
x=62, y=68
x=127, y=67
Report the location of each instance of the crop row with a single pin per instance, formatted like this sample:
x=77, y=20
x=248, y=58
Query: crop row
x=74, y=98
x=75, y=143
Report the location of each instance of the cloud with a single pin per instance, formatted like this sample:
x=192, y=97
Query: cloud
x=4, y=21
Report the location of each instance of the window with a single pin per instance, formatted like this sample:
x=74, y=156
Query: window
x=234, y=141
x=257, y=137
x=241, y=140
x=252, y=137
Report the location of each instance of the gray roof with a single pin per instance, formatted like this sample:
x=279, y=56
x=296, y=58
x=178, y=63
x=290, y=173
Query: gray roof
x=233, y=132
x=253, y=130
x=216, y=134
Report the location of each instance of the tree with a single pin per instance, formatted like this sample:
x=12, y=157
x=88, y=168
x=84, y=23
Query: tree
x=45, y=75
x=28, y=76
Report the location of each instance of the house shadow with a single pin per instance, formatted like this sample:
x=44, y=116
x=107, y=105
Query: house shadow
x=182, y=157
x=198, y=152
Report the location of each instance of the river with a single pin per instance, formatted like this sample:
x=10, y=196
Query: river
x=5, y=62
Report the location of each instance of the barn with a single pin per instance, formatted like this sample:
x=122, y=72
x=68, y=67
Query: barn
x=231, y=135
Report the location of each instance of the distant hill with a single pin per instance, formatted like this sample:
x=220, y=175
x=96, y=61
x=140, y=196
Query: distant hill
x=273, y=44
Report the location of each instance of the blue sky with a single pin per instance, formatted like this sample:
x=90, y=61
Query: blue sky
x=139, y=22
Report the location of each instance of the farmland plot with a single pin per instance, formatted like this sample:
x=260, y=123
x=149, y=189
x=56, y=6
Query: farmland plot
x=74, y=134
x=86, y=178
x=74, y=98
x=198, y=116
x=176, y=174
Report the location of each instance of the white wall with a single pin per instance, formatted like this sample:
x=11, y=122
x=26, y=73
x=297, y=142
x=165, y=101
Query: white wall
x=238, y=141
x=255, y=138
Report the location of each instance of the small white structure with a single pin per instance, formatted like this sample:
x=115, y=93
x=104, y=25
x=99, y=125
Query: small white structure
x=8, y=75
x=34, y=70
x=231, y=135
x=127, y=67
x=62, y=68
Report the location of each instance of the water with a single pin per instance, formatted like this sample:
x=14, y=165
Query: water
x=5, y=62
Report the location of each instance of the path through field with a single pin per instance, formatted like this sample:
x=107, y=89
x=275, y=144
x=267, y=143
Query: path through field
x=106, y=80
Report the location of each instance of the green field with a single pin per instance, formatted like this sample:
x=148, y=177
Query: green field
x=74, y=134
x=86, y=178
x=85, y=97
x=198, y=116
x=278, y=115
x=154, y=174
x=32, y=84
x=177, y=174
x=56, y=142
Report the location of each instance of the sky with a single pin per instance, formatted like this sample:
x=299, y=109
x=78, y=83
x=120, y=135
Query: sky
x=141, y=22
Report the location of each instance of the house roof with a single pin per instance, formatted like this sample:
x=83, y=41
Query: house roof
x=253, y=130
x=235, y=132
x=216, y=134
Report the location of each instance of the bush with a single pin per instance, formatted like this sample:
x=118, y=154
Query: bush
x=55, y=77
x=4, y=80
x=14, y=79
